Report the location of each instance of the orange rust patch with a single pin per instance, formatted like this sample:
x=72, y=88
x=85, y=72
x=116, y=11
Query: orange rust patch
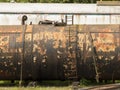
x=10, y=29
x=29, y=28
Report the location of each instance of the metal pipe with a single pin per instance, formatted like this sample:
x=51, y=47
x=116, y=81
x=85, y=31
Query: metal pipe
x=22, y=55
x=24, y=18
x=73, y=13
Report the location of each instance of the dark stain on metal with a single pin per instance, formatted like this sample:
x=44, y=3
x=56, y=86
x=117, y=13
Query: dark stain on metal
x=64, y=52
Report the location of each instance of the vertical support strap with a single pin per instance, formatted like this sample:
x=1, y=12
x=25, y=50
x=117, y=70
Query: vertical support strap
x=77, y=63
x=73, y=20
x=22, y=54
x=94, y=58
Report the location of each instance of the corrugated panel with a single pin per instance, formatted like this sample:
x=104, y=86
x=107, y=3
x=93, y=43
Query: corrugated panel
x=16, y=19
x=57, y=8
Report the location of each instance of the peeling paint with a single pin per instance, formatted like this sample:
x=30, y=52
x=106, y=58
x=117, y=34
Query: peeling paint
x=48, y=49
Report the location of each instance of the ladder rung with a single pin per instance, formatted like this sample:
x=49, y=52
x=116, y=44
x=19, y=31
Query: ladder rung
x=79, y=32
x=71, y=70
x=72, y=42
x=70, y=36
x=69, y=19
x=73, y=77
x=71, y=30
x=71, y=27
x=69, y=15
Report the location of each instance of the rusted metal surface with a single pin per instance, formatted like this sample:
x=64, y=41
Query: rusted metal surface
x=65, y=52
x=106, y=43
x=11, y=50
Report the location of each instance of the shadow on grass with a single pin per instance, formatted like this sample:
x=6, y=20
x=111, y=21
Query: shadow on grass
x=50, y=83
x=6, y=83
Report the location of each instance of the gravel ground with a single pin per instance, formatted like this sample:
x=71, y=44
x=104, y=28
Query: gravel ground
x=102, y=87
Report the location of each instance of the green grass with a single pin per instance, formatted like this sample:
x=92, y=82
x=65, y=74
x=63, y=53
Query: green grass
x=42, y=85
x=49, y=85
x=36, y=88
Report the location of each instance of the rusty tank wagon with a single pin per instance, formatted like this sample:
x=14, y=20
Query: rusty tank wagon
x=49, y=52
x=59, y=50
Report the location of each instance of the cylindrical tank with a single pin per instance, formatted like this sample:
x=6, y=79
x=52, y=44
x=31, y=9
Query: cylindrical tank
x=66, y=52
